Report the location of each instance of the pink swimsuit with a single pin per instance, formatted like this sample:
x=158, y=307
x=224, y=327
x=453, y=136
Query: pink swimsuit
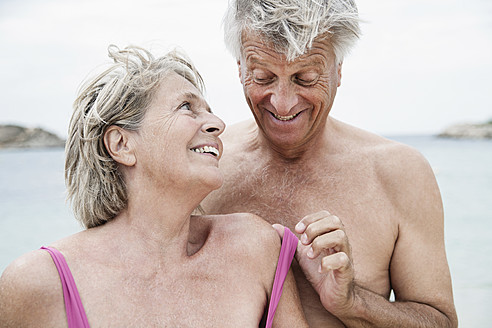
x=287, y=252
x=73, y=305
x=76, y=316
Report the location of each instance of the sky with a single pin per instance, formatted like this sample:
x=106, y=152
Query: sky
x=419, y=67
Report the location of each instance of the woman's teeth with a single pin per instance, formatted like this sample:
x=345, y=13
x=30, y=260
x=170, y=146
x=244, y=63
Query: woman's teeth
x=207, y=149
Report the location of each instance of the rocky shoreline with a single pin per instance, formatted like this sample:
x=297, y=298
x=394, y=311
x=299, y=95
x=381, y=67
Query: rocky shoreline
x=468, y=131
x=14, y=136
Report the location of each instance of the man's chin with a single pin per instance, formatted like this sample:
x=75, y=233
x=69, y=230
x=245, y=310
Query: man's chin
x=285, y=136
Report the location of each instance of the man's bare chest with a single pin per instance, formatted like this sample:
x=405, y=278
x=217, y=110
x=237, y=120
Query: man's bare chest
x=355, y=196
x=285, y=196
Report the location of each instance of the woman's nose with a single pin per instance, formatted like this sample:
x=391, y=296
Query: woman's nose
x=213, y=125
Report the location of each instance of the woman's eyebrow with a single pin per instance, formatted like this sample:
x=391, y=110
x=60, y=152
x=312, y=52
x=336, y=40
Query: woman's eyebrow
x=194, y=97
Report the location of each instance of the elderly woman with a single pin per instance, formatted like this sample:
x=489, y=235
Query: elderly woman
x=142, y=153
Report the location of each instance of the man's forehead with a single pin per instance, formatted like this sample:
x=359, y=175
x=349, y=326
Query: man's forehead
x=257, y=46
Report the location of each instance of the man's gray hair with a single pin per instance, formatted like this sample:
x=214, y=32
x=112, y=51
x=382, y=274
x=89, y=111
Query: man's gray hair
x=118, y=96
x=291, y=26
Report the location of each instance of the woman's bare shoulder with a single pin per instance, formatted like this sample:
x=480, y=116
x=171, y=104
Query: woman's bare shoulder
x=246, y=225
x=30, y=291
x=30, y=271
x=252, y=244
x=249, y=234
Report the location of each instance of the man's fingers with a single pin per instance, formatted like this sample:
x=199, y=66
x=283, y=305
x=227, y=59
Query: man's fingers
x=308, y=219
x=339, y=261
x=320, y=227
x=280, y=229
x=332, y=242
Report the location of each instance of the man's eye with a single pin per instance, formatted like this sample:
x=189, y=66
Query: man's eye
x=262, y=77
x=306, y=79
x=262, y=80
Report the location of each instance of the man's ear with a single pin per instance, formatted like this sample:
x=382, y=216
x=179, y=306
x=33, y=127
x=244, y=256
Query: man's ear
x=117, y=144
x=239, y=70
x=339, y=74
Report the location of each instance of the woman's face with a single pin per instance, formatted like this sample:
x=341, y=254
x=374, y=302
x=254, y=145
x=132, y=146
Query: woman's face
x=178, y=143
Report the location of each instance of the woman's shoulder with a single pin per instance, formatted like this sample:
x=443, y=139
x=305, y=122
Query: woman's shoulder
x=29, y=271
x=248, y=234
x=252, y=244
x=30, y=289
x=246, y=226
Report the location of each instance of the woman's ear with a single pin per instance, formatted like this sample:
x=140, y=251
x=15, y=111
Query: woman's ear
x=118, y=145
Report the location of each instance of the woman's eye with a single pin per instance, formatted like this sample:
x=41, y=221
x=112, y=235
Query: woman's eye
x=185, y=106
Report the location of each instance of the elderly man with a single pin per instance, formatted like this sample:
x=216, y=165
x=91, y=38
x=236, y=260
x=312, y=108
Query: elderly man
x=377, y=225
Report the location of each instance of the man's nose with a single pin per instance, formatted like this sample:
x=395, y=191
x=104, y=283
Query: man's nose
x=284, y=98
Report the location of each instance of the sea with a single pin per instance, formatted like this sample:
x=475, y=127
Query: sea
x=33, y=212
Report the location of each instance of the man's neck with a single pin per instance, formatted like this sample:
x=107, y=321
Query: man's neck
x=295, y=155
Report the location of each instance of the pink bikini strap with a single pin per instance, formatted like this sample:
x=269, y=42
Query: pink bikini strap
x=287, y=251
x=76, y=316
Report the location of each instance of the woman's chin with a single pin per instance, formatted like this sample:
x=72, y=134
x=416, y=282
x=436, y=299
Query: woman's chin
x=213, y=181
x=218, y=182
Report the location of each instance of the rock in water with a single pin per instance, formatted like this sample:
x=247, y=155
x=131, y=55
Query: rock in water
x=468, y=131
x=14, y=136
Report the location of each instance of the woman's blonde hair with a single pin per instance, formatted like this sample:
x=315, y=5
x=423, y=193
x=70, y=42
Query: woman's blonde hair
x=120, y=96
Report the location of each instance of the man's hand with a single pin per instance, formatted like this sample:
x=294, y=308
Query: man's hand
x=325, y=257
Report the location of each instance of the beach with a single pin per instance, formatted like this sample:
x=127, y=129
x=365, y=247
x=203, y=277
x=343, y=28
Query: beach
x=33, y=211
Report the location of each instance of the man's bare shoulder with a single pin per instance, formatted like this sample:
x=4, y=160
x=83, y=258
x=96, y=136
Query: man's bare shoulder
x=404, y=172
x=238, y=133
x=387, y=155
x=29, y=288
x=401, y=169
x=397, y=163
x=240, y=140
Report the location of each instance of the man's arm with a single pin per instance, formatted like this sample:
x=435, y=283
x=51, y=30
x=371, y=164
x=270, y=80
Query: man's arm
x=419, y=271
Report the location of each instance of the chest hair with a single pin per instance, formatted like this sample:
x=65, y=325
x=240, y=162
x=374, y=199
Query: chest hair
x=279, y=194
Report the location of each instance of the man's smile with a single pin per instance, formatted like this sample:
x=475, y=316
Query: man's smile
x=285, y=118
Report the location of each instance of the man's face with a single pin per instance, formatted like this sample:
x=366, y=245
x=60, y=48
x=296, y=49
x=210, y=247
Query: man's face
x=289, y=100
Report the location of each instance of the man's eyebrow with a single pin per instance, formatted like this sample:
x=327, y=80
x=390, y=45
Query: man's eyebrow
x=194, y=97
x=311, y=63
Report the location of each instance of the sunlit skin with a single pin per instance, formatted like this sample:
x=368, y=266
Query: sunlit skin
x=181, y=121
x=155, y=264
x=277, y=89
x=367, y=210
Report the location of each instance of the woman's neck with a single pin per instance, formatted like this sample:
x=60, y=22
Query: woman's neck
x=158, y=222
